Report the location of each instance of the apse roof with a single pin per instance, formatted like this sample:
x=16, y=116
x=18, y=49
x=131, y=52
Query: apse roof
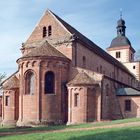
x=45, y=49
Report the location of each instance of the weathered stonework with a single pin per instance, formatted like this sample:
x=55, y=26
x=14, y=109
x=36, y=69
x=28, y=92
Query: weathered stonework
x=84, y=79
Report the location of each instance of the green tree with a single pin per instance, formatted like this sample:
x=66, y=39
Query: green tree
x=2, y=76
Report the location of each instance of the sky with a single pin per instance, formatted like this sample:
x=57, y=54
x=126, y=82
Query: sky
x=96, y=19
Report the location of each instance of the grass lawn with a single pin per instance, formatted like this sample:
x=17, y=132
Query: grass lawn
x=125, y=133
x=60, y=127
x=130, y=133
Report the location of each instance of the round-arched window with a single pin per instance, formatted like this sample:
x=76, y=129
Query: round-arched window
x=49, y=83
x=30, y=83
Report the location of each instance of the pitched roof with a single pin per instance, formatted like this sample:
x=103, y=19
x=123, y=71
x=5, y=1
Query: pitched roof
x=4, y=81
x=45, y=50
x=92, y=45
x=82, y=79
x=11, y=83
x=127, y=92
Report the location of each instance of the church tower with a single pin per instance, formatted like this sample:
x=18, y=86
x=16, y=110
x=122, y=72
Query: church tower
x=120, y=47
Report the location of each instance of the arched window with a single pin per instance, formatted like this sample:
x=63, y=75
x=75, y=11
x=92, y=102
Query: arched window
x=30, y=83
x=84, y=62
x=49, y=30
x=49, y=83
x=44, y=31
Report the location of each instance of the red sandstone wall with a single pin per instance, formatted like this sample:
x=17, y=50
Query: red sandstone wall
x=135, y=106
x=54, y=107
x=10, y=112
x=57, y=29
x=110, y=103
x=91, y=105
x=40, y=106
x=16, y=104
x=30, y=106
x=78, y=114
x=88, y=108
x=66, y=49
x=93, y=62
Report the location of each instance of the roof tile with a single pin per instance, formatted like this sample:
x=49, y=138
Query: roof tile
x=13, y=82
x=82, y=79
x=45, y=50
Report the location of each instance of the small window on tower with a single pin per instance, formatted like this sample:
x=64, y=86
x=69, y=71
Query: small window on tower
x=44, y=32
x=134, y=67
x=120, y=31
x=49, y=30
x=118, y=54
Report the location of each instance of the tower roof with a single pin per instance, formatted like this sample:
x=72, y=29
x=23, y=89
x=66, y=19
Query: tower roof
x=120, y=41
x=121, y=22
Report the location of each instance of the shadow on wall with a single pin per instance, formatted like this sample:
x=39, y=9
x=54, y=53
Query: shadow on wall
x=119, y=134
x=134, y=110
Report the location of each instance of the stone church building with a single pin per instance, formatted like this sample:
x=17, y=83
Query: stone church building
x=64, y=78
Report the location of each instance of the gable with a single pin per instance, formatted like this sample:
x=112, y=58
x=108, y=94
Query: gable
x=62, y=30
x=48, y=19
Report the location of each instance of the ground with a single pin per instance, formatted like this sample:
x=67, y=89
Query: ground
x=126, y=129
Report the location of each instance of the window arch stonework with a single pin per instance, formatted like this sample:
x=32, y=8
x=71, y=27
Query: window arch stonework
x=30, y=83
